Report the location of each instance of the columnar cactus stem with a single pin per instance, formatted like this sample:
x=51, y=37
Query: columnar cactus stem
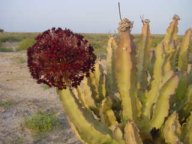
x=94, y=82
x=169, y=43
x=160, y=113
x=85, y=95
x=110, y=68
x=143, y=57
x=184, y=51
x=125, y=71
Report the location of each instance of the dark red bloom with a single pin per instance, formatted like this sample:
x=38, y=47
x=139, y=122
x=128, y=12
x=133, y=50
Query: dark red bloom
x=60, y=58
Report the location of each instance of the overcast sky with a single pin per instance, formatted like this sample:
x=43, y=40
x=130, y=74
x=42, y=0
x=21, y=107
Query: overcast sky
x=92, y=16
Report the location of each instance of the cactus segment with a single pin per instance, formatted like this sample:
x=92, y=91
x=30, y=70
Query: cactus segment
x=184, y=51
x=169, y=43
x=85, y=94
x=90, y=130
x=171, y=130
x=110, y=68
x=94, y=82
x=172, y=30
x=143, y=57
x=161, y=108
x=124, y=67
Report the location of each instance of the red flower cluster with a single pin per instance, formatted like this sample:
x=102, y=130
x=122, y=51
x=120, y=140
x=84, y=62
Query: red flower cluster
x=60, y=58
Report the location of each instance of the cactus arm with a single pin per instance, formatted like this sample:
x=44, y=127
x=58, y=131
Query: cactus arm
x=94, y=82
x=110, y=77
x=171, y=130
x=172, y=30
x=169, y=42
x=162, y=106
x=131, y=134
x=85, y=95
x=143, y=57
x=89, y=129
x=76, y=131
x=102, y=86
x=183, y=53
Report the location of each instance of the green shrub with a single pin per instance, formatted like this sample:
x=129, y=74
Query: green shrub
x=26, y=43
x=42, y=122
x=2, y=49
x=6, y=103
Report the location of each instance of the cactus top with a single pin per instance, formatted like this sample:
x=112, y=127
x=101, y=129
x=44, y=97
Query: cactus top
x=60, y=58
x=176, y=17
x=125, y=25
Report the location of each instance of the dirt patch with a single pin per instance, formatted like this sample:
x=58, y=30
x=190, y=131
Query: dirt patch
x=20, y=97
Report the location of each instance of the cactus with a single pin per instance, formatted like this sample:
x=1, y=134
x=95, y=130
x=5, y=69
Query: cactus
x=131, y=99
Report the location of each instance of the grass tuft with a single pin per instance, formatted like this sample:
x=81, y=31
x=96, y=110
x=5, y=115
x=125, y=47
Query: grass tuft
x=42, y=122
x=6, y=103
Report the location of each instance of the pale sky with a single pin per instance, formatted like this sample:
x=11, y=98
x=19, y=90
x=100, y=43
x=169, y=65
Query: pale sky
x=91, y=16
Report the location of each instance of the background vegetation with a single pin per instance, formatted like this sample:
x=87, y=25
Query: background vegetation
x=11, y=42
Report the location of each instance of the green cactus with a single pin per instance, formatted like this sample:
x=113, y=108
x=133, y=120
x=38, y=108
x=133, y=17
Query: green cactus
x=132, y=99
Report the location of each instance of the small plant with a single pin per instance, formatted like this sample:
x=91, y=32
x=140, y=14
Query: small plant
x=6, y=103
x=2, y=49
x=24, y=44
x=142, y=95
x=42, y=122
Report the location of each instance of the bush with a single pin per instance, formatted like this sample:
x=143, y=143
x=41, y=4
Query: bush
x=42, y=122
x=25, y=44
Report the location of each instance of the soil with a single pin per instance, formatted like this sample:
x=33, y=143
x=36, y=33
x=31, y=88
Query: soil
x=24, y=98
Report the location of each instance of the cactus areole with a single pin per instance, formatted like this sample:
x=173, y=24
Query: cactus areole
x=60, y=58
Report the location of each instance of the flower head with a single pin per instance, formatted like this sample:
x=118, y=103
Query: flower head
x=60, y=58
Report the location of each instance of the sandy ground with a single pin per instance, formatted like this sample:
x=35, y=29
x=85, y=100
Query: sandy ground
x=25, y=98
